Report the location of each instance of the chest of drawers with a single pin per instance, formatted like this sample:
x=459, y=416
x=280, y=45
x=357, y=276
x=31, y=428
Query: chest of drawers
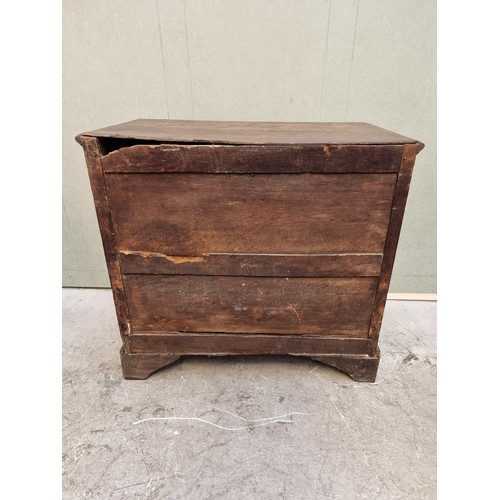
x=241, y=238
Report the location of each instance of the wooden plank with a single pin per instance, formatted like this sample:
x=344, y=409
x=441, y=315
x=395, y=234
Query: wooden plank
x=234, y=304
x=224, y=264
x=193, y=214
x=253, y=159
x=97, y=182
x=233, y=132
x=398, y=207
x=226, y=344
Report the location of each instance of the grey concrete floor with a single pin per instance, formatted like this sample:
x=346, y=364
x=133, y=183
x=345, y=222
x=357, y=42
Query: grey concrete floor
x=255, y=428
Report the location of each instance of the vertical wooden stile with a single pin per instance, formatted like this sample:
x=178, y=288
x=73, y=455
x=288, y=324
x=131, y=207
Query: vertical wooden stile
x=391, y=242
x=93, y=155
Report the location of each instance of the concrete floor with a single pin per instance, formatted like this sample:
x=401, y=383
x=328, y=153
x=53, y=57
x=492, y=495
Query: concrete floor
x=334, y=438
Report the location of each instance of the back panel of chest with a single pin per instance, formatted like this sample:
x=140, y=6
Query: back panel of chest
x=249, y=248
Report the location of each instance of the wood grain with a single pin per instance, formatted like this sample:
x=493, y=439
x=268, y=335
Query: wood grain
x=224, y=264
x=234, y=304
x=234, y=132
x=191, y=214
x=398, y=208
x=253, y=159
x=227, y=344
x=98, y=185
x=227, y=238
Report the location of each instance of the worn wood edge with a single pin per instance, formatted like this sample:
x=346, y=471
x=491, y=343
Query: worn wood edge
x=361, y=368
x=413, y=296
x=263, y=265
x=391, y=242
x=263, y=132
x=97, y=182
x=141, y=366
x=80, y=139
x=258, y=159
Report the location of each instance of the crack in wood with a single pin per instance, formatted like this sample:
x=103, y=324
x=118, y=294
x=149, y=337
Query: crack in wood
x=176, y=259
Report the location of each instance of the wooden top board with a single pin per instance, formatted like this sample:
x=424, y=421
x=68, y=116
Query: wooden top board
x=233, y=132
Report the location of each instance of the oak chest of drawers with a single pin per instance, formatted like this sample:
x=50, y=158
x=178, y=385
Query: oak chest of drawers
x=238, y=238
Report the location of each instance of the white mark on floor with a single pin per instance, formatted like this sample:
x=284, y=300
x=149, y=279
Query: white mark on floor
x=263, y=419
x=342, y=416
x=216, y=425
x=282, y=419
